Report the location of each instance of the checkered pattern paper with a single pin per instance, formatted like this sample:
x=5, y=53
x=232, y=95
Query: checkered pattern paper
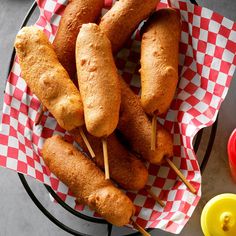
x=206, y=66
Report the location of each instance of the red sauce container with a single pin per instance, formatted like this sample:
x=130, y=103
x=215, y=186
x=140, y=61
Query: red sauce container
x=232, y=154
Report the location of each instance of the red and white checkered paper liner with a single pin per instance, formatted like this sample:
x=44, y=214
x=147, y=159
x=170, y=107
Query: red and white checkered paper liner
x=207, y=63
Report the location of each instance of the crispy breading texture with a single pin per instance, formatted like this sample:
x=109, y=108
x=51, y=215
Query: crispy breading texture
x=136, y=128
x=86, y=181
x=123, y=18
x=159, y=60
x=128, y=171
x=77, y=12
x=98, y=81
x=47, y=79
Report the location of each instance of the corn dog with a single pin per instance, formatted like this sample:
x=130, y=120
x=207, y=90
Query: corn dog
x=159, y=60
x=47, y=79
x=86, y=181
x=123, y=18
x=98, y=81
x=77, y=12
x=128, y=171
x=136, y=128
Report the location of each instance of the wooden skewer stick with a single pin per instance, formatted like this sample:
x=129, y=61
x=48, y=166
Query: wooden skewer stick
x=156, y=198
x=105, y=155
x=86, y=142
x=140, y=229
x=154, y=133
x=181, y=176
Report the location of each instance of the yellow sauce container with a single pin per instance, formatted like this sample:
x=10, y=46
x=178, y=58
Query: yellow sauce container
x=219, y=216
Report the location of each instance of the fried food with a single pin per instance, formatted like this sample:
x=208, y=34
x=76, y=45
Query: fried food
x=159, y=60
x=47, y=79
x=77, y=12
x=136, y=128
x=86, y=181
x=98, y=81
x=123, y=18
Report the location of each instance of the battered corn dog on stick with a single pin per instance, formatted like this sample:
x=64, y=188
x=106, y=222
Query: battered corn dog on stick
x=159, y=60
x=136, y=128
x=47, y=79
x=159, y=63
x=123, y=18
x=128, y=171
x=98, y=82
x=77, y=12
x=86, y=181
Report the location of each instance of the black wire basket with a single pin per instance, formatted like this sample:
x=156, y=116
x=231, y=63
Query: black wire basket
x=211, y=133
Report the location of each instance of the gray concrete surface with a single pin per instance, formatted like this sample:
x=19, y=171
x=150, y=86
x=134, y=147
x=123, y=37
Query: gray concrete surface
x=18, y=214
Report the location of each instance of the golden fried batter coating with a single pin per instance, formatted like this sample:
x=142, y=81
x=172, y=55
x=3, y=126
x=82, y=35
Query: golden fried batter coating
x=128, y=171
x=77, y=12
x=47, y=79
x=136, y=128
x=86, y=181
x=98, y=81
x=159, y=60
x=123, y=18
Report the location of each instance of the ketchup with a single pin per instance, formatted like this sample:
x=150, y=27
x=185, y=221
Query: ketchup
x=232, y=154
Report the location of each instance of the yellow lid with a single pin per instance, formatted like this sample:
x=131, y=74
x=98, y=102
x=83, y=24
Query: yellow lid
x=219, y=216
